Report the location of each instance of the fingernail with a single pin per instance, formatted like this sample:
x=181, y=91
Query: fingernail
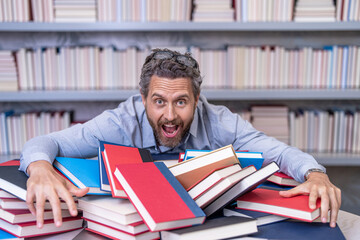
x=332, y=224
x=39, y=225
x=323, y=220
x=58, y=223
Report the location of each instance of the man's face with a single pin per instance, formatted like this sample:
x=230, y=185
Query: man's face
x=170, y=107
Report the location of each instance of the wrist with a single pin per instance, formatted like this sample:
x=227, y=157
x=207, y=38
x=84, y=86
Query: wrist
x=34, y=166
x=311, y=171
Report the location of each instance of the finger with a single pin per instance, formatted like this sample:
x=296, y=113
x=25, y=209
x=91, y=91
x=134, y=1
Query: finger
x=56, y=209
x=313, y=196
x=335, y=205
x=40, y=204
x=66, y=195
x=30, y=197
x=325, y=204
x=293, y=192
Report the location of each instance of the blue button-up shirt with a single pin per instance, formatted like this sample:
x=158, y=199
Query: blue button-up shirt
x=213, y=127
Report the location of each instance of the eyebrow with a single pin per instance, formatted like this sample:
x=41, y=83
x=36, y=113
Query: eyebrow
x=178, y=97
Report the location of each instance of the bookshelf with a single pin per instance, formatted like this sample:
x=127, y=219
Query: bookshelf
x=209, y=35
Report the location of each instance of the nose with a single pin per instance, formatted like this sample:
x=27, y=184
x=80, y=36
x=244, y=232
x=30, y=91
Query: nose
x=170, y=113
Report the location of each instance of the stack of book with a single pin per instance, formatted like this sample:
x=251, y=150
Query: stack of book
x=114, y=218
x=272, y=120
x=15, y=217
x=314, y=11
x=8, y=75
x=213, y=11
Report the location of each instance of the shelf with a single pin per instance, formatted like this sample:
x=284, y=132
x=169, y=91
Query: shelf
x=179, y=27
x=219, y=94
x=337, y=159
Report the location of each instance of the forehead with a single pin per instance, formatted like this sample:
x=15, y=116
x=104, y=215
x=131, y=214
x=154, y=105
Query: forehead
x=170, y=87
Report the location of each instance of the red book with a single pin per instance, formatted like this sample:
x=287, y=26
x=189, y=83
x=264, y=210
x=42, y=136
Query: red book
x=158, y=196
x=283, y=179
x=24, y=215
x=113, y=155
x=30, y=229
x=269, y=201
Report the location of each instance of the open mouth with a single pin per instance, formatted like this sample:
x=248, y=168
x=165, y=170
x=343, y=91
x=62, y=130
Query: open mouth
x=170, y=130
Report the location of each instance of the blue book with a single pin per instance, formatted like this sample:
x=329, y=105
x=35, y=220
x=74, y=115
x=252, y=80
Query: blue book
x=7, y=236
x=299, y=230
x=245, y=158
x=81, y=172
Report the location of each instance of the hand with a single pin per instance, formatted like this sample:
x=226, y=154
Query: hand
x=317, y=186
x=45, y=183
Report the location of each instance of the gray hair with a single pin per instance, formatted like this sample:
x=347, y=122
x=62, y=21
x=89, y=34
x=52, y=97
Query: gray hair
x=169, y=68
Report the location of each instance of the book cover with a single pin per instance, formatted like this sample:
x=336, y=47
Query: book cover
x=245, y=185
x=13, y=181
x=30, y=229
x=157, y=195
x=283, y=179
x=298, y=231
x=215, y=191
x=17, y=203
x=7, y=236
x=261, y=217
x=82, y=172
x=119, y=210
x=269, y=201
x=114, y=154
x=191, y=171
x=217, y=228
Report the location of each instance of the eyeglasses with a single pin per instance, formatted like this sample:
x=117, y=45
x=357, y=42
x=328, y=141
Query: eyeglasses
x=182, y=59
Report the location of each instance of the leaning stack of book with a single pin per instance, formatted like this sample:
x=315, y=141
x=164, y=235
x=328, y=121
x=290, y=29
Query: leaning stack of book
x=15, y=217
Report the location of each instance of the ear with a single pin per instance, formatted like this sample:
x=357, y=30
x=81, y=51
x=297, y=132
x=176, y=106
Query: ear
x=197, y=99
x=143, y=98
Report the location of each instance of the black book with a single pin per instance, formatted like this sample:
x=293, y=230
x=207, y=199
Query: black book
x=217, y=228
x=245, y=185
x=13, y=181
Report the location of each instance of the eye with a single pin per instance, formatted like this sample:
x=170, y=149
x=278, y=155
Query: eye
x=159, y=101
x=181, y=102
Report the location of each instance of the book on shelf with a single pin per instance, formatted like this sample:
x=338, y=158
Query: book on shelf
x=158, y=196
x=217, y=228
x=211, y=179
x=222, y=186
x=30, y=229
x=132, y=228
x=299, y=230
x=17, y=203
x=24, y=215
x=191, y=171
x=117, y=209
x=245, y=185
x=81, y=172
x=261, y=217
x=115, y=233
x=115, y=154
x=283, y=179
x=269, y=201
x=246, y=158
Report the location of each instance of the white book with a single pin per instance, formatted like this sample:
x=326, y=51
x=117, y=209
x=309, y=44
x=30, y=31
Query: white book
x=211, y=194
x=212, y=179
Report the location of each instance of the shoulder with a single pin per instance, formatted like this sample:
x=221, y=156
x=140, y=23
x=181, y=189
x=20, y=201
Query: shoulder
x=215, y=113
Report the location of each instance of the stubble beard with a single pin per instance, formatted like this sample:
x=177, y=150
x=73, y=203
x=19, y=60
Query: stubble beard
x=164, y=141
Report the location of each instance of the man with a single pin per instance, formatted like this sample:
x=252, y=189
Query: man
x=168, y=116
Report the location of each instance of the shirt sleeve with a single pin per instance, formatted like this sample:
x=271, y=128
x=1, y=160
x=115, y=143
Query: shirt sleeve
x=291, y=160
x=80, y=140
